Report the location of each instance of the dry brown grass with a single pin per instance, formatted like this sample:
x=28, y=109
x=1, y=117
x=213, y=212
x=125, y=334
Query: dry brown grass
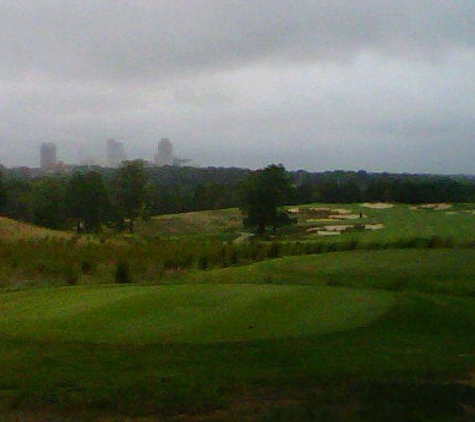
x=15, y=230
x=205, y=222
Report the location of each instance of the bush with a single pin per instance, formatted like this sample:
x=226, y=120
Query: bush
x=71, y=275
x=435, y=242
x=203, y=263
x=274, y=250
x=122, y=272
x=87, y=267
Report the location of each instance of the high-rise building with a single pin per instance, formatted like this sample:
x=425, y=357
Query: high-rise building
x=48, y=156
x=164, y=155
x=115, y=153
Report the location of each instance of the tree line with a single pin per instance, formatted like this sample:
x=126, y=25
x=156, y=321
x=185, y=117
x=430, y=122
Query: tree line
x=89, y=198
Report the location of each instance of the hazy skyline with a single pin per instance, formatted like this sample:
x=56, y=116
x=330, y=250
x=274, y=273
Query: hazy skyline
x=338, y=84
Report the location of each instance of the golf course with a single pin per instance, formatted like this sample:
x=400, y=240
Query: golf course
x=381, y=330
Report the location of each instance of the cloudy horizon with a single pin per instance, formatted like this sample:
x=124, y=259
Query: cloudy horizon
x=317, y=85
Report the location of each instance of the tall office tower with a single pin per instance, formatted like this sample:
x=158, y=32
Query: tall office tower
x=164, y=156
x=48, y=156
x=115, y=153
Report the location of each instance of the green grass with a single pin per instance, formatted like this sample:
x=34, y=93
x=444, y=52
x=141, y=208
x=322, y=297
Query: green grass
x=325, y=337
x=443, y=271
x=401, y=221
x=354, y=336
x=185, y=314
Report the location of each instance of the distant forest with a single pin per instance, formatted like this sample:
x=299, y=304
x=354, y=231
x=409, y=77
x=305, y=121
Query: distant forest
x=53, y=200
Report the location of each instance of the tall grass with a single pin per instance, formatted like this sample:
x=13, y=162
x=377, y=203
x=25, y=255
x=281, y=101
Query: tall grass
x=57, y=261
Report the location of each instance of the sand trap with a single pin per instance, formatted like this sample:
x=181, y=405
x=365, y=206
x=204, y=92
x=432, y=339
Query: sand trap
x=345, y=216
x=341, y=211
x=377, y=205
x=325, y=233
x=339, y=228
x=374, y=226
x=294, y=210
x=437, y=207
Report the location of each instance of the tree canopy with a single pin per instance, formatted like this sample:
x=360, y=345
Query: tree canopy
x=88, y=200
x=264, y=192
x=130, y=191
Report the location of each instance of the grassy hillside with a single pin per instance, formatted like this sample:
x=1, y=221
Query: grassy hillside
x=225, y=223
x=280, y=340
x=445, y=271
x=399, y=221
x=11, y=230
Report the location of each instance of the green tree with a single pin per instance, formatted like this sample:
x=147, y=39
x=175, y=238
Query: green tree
x=3, y=191
x=131, y=191
x=264, y=192
x=47, y=199
x=88, y=200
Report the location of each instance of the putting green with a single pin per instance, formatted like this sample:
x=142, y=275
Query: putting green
x=186, y=313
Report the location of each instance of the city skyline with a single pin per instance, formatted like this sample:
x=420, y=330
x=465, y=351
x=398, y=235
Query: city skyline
x=375, y=85
x=113, y=155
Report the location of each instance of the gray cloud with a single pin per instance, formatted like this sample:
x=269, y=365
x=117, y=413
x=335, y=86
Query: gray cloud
x=374, y=84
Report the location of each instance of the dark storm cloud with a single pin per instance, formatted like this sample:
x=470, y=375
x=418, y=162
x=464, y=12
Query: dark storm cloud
x=315, y=84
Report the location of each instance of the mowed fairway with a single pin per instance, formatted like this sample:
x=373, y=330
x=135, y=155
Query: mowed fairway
x=348, y=336
x=186, y=313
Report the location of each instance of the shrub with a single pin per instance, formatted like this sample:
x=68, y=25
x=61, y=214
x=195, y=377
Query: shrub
x=274, y=250
x=71, y=275
x=203, y=263
x=122, y=272
x=87, y=267
x=436, y=242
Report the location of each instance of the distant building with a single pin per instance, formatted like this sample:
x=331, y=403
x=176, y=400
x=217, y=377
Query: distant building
x=180, y=162
x=48, y=156
x=115, y=153
x=164, y=155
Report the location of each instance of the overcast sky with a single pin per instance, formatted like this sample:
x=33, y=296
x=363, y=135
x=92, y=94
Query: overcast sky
x=381, y=85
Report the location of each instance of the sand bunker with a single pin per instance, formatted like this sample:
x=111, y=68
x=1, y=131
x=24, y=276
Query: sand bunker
x=374, y=226
x=377, y=205
x=339, y=228
x=435, y=207
x=346, y=216
x=332, y=230
x=325, y=233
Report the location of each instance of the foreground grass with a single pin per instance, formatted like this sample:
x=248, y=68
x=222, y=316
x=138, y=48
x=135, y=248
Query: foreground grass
x=418, y=351
x=306, y=350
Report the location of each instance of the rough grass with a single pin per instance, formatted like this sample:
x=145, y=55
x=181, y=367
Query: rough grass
x=217, y=223
x=11, y=230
